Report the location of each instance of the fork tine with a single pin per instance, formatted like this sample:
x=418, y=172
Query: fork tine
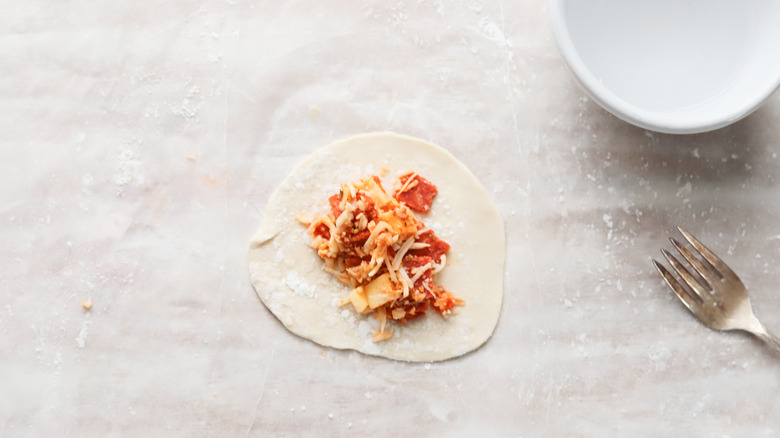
x=690, y=302
x=708, y=255
x=706, y=273
x=697, y=288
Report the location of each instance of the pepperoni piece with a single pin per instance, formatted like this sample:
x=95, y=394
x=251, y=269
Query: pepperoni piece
x=334, y=202
x=417, y=196
x=436, y=247
x=411, y=262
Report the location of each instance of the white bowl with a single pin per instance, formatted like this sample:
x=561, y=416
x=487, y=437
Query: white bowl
x=674, y=66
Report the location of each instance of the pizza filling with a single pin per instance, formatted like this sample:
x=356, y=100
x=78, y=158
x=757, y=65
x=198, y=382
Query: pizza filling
x=373, y=242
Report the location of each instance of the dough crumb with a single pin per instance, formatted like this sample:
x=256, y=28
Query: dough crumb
x=191, y=157
x=314, y=113
x=87, y=305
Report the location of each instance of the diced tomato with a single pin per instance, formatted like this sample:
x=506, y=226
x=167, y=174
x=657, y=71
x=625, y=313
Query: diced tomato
x=420, y=196
x=436, y=247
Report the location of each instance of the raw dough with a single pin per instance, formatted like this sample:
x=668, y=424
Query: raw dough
x=287, y=274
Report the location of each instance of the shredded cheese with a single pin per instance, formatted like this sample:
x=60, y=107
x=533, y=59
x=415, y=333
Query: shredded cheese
x=305, y=220
x=381, y=226
x=405, y=281
x=391, y=271
x=408, y=184
x=438, y=267
x=344, y=216
x=419, y=271
x=399, y=256
x=376, y=268
x=362, y=221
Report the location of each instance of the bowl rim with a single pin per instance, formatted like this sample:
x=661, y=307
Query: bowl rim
x=658, y=121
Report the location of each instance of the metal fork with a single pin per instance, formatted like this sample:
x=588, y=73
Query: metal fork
x=715, y=294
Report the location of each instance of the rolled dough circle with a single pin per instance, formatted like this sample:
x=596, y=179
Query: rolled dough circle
x=288, y=276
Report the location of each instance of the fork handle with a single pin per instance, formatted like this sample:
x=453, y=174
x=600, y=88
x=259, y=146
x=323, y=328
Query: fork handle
x=765, y=335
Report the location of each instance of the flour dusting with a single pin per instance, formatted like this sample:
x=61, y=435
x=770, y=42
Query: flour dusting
x=81, y=339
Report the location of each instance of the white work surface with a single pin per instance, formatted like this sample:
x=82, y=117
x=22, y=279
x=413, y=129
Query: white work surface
x=140, y=144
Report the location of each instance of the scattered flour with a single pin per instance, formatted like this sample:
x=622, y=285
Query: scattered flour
x=608, y=221
x=128, y=168
x=349, y=317
x=81, y=339
x=492, y=32
x=300, y=286
x=190, y=106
